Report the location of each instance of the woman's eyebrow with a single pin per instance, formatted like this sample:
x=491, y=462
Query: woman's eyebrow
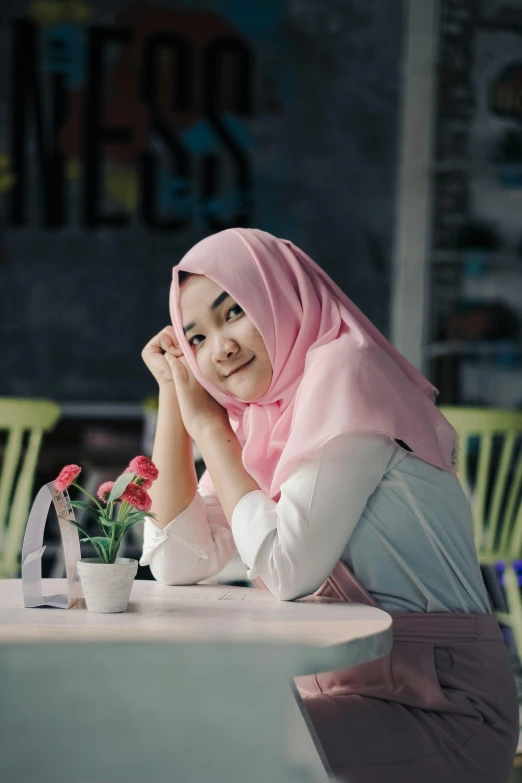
x=217, y=301
x=221, y=298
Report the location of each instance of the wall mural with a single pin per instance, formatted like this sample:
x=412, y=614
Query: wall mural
x=128, y=131
x=162, y=112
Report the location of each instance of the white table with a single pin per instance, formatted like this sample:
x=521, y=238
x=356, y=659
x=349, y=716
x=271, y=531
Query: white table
x=204, y=620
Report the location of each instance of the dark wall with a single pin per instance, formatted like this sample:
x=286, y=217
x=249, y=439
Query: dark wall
x=128, y=131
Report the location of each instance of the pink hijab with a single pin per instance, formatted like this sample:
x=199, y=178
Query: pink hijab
x=333, y=371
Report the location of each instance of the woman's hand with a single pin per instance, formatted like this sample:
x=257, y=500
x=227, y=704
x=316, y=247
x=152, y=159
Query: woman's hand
x=155, y=352
x=199, y=410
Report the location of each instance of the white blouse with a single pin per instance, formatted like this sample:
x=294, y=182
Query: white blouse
x=402, y=526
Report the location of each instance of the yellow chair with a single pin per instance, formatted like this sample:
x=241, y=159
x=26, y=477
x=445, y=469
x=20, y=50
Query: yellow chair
x=18, y=416
x=492, y=438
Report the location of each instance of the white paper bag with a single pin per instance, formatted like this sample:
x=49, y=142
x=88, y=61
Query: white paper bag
x=32, y=550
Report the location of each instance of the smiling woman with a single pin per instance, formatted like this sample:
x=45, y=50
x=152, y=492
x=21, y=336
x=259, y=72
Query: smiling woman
x=228, y=347
x=331, y=471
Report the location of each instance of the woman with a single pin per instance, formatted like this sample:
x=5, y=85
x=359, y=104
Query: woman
x=331, y=472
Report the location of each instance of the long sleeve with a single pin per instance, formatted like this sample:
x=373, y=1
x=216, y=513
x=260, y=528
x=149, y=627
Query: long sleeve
x=294, y=544
x=196, y=545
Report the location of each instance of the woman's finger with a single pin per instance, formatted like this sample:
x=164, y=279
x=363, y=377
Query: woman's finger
x=166, y=341
x=173, y=368
x=171, y=361
x=177, y=371
x=170, y=346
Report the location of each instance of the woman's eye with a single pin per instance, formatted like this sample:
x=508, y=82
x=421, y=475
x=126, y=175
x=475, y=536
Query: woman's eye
x=201, y=337
x=235, y=307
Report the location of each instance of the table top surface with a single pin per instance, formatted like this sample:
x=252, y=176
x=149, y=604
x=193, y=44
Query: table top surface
x=202, y=612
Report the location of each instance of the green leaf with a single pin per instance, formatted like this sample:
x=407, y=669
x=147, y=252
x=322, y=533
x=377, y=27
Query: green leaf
x=86, y=507
x=102, y=545
x=119, y=529
x=130, y=525
x=103, y=541
x=73, y=522
x=120, y=485
x=106, y=521
x=134, y=515
x=79, y=504
x=94, y=513
x=138, y=514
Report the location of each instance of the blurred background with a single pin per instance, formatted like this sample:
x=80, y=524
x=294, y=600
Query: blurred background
x=384, y=137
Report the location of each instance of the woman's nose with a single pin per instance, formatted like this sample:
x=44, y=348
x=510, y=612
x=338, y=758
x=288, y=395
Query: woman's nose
x=224, y=349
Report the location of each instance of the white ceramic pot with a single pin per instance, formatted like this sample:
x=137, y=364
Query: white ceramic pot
x=107, y=587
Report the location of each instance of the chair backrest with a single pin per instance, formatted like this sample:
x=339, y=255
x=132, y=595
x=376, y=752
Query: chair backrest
x=490, y=470
x=19, y=416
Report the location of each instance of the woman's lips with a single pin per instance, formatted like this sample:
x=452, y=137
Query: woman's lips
x=241, y=368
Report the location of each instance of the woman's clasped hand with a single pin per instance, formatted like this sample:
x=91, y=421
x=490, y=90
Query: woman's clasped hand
x=199, y=410
x=164, y=358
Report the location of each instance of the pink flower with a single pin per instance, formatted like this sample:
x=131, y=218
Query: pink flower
x=138, y=497
x=146, y=483
x=143, y=467
x=66, y=477
x=104, y=490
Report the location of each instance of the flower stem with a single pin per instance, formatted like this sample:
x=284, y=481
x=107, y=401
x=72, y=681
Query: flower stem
x=102, y=527
x=124, y=511
x=88, y=494
x=112, y=553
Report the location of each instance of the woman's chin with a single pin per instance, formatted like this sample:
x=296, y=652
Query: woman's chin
x=245, y=390
x=252, y=394
x=245, y=393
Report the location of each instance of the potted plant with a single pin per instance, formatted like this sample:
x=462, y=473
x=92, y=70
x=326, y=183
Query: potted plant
x=107, y=579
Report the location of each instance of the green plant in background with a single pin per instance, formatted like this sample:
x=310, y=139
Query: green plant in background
x=128, y=493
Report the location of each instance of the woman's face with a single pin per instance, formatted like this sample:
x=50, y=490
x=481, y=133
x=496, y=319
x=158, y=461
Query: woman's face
x=223, y=339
